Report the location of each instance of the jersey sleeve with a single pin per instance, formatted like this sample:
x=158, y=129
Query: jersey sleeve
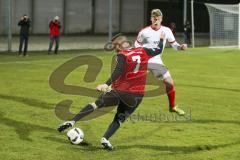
x=170, y=37
x=119, y=69
x=139, y=40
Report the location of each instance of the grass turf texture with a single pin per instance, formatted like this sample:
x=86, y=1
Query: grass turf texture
x=207, y=82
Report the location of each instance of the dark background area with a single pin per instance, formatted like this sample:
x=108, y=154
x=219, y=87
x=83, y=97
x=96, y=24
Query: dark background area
x=173, y=12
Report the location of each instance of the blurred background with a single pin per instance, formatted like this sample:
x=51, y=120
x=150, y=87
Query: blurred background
x=85, y=23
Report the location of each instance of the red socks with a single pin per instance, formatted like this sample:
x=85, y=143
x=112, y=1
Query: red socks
x=171, y=95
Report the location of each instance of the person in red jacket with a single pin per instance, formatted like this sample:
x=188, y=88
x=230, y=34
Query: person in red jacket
x=54, y=27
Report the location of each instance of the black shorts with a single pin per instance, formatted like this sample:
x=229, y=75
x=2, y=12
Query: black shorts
x=126, y=103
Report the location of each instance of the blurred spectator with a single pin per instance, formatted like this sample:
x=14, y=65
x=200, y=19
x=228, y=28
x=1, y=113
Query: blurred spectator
x=24, y=23
x=54, y=27
x=187, y=31
x=173, y=28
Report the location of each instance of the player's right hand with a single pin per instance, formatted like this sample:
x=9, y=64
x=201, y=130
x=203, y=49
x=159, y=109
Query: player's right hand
x=102, y=87
x=183, y=46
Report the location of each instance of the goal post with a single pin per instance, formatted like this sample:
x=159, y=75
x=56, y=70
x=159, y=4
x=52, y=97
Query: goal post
x=224, y=25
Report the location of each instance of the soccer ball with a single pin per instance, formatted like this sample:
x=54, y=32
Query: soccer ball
x=75, y=135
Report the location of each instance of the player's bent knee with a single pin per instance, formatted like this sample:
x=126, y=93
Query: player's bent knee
x=170, y=87
x=157, y=74
x=99, y=103
x=167, y=77
x=120, y=118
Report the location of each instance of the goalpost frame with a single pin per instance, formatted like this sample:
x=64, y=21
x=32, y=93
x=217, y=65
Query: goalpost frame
x=238, y=25
x=192, y=19
x=9, y=25
x=232, y=9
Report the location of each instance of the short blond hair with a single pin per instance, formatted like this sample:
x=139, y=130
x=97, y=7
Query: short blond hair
x=156, y=13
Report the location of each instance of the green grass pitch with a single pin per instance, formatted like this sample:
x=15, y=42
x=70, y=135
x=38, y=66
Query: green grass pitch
x=207, y=88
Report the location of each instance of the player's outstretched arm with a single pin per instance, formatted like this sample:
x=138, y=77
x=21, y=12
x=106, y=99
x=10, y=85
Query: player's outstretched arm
x=118, y=71
x=175, y=45
x=183, y=47
x=179, y=47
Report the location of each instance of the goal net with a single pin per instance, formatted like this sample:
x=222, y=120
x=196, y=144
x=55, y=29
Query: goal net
x=224, y=25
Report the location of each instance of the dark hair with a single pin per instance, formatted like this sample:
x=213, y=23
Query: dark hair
x=116, y=36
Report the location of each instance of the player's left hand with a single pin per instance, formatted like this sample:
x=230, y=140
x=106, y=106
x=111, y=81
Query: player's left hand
x=162, y=35
x=102, y=87
x=183, y=46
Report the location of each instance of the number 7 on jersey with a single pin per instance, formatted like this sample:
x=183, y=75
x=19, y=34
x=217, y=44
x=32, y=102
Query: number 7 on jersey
x=138, y=60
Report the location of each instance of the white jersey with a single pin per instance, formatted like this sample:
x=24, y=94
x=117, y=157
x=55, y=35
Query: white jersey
x=150, y=38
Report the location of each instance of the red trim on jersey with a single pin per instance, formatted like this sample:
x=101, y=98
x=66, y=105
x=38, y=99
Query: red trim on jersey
x=173, y=41
x=155, y=29
x=166, y=27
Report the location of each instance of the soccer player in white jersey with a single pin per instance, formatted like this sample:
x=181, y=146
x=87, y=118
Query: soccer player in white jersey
x=149, y=37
